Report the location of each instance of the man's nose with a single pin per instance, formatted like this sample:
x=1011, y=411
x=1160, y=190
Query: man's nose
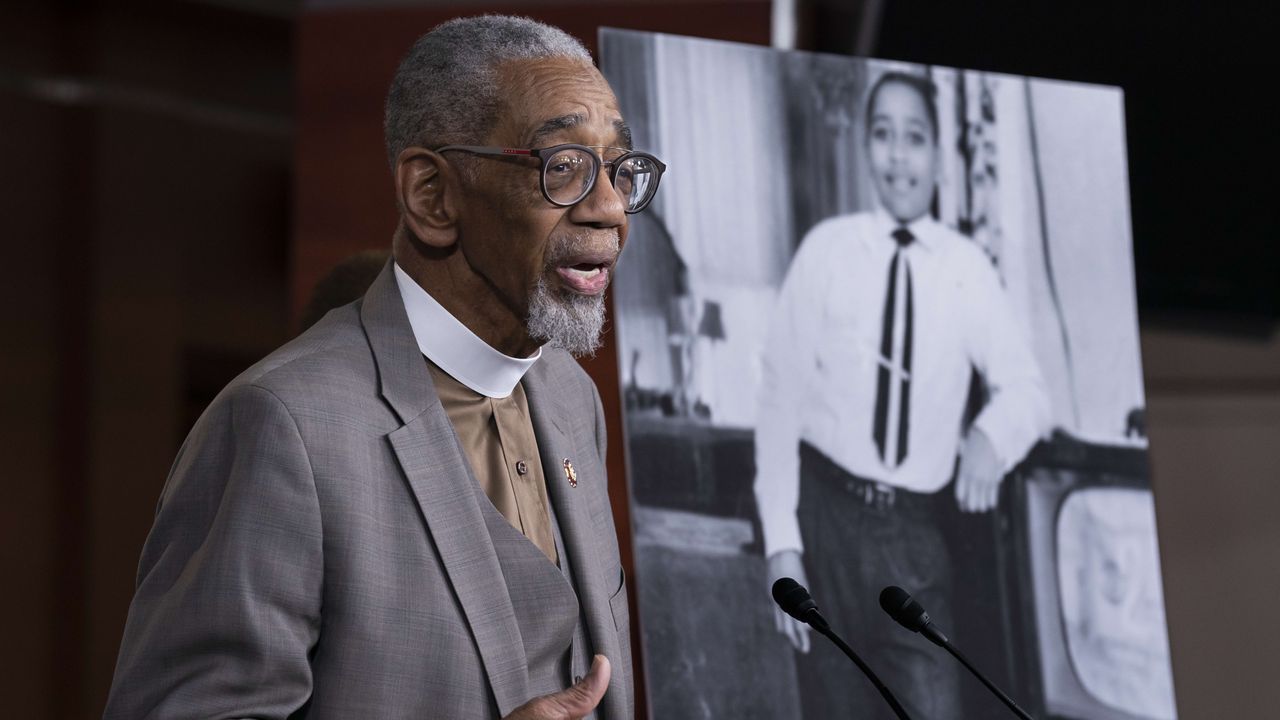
x=602, y=207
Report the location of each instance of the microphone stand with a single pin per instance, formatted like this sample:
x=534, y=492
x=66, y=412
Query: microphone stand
x=819, y=623
x=909, y=614
x=946, y=644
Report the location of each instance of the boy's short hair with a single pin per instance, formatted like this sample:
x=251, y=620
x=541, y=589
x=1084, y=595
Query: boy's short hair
x=923, y=86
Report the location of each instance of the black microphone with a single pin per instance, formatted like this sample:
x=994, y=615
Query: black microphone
x=911, y=615
x=795, y=601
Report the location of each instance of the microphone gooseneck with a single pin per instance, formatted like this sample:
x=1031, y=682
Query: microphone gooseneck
x=911, y=615
x=795, y=600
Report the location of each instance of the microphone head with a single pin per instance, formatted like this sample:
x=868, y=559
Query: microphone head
x=898, y=604
x=793, y=598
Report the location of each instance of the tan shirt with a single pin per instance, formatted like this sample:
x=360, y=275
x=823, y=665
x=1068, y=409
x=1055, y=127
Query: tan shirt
x=497, y=437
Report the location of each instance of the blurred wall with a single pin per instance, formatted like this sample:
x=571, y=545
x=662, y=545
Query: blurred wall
x=1213, y=413
x=145, y=170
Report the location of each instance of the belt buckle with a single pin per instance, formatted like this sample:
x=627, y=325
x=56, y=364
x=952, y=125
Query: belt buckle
x=884, y=496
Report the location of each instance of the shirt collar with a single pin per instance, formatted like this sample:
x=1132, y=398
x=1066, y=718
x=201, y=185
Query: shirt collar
x=922, y=228
x=454, y=348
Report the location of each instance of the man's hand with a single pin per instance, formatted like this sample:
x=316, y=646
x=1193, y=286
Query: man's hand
x=572, y=703
x=788, y=563
x=978, y=482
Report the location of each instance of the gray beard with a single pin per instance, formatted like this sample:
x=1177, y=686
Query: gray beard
x=568, y=320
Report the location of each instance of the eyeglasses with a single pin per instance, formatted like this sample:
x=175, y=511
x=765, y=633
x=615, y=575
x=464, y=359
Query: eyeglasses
x=568, y=172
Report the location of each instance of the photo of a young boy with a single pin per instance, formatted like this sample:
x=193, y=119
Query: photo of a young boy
x=861, y=439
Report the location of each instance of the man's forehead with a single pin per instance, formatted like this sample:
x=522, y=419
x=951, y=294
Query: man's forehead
x=550, y=97
x=556, y=126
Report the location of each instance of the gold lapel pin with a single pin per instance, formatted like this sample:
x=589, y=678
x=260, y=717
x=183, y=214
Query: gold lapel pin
x=570, y=473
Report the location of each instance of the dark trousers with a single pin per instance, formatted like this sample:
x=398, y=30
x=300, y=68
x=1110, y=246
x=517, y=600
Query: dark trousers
x=859, y=539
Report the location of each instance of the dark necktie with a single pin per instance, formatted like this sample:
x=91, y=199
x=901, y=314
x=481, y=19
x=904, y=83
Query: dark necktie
x=887, y=364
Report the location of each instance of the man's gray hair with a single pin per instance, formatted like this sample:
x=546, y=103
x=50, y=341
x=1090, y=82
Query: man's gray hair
x=446, y=90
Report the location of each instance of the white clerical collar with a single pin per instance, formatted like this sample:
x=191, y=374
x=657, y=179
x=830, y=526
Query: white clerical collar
x=454, y=348
x=922, y=228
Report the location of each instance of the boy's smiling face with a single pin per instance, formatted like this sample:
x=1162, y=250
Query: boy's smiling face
x=903, y=149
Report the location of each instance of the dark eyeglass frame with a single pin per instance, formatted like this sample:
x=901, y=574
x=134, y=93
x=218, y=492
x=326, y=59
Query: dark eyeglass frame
x=545, y=154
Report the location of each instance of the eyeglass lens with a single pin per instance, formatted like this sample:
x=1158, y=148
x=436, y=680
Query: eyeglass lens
x=570, y=173
x=634, y=181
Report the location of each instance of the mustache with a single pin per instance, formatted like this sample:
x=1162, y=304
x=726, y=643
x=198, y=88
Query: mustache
x=586, y=242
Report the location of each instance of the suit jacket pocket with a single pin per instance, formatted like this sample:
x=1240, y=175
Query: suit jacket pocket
x=622, y=623
x=618, y=603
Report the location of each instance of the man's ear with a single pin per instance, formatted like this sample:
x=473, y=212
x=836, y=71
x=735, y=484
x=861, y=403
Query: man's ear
x=427, y=191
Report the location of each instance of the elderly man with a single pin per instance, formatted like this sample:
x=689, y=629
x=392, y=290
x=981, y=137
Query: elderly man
x=403, y=512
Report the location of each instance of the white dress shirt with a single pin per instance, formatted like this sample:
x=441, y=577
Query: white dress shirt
x=454, y=348
x=823, y=351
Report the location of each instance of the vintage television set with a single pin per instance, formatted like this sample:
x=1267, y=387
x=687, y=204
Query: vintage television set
x=1086, y=588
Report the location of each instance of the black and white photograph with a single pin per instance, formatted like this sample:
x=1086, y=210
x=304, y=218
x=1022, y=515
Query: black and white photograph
x=880, y=330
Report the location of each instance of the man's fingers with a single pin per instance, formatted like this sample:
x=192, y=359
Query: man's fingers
x=583, y=696
x=571, y=703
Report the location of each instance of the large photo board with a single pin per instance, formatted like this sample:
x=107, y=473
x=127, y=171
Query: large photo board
x=880, y=328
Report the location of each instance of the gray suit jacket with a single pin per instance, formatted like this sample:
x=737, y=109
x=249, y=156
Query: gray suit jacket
x=319, y=549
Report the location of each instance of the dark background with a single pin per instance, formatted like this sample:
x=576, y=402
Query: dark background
x=174, y=177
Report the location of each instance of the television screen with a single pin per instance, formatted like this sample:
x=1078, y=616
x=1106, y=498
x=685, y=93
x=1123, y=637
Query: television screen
x=1111, y=600
x=1092, y=575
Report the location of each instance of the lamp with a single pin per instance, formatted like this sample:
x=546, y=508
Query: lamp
x=712, y=325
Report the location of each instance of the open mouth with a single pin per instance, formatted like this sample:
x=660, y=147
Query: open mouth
x=900, y=183
x=588, y=277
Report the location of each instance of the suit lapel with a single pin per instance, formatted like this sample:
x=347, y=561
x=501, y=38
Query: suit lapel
x=556, y=429
x=446, y=492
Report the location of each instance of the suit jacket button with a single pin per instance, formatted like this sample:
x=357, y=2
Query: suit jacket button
x=521, y=467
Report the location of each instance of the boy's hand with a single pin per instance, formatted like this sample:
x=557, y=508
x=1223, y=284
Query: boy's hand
x=788, y=563
x=978, y=482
